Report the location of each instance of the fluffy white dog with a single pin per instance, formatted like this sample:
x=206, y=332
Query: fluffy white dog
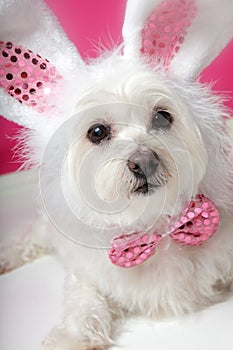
x=139, y=180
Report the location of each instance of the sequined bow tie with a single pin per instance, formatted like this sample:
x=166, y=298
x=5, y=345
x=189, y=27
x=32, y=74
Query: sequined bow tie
x=195, y=225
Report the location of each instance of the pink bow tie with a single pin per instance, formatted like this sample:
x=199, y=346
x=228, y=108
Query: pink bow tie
x=27, y=76
x=197, y=223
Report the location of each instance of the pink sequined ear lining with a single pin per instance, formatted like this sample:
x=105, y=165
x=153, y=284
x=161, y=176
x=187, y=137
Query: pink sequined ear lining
x=166, y=27
x=197, y=223
x=27, y=76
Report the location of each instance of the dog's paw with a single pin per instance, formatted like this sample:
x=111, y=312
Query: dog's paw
x=26, y=247
x=59, y=339
x=15, y=256
x=5, y=266
x=9, y=258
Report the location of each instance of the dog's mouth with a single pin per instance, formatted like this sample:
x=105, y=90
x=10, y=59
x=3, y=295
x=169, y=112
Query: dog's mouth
x=148, y=185
x=145, y=187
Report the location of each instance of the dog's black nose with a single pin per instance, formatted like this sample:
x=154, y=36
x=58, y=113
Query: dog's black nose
x=143, y=163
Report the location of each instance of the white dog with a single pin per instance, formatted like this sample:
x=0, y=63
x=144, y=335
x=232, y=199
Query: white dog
x=139, y=180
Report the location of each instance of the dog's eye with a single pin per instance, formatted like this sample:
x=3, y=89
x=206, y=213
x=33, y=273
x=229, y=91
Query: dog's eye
x=98, y=132
x=161, y=120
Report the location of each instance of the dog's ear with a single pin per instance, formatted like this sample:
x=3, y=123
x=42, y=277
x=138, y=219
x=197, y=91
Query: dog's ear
x=184, y=35
x=41, y=71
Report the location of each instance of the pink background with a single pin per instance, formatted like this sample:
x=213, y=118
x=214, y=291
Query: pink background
x=87, y=21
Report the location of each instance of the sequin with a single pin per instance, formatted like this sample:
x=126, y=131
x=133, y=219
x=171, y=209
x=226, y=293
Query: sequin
x=32, y=91
x=14, y=58
x=9, y=76
x=17, y=91
x=26, y=55
x=190, y=215
x=128, y=264
x=34, y=61
x=9, y=45
x=43, y=66
x=197, y=210
x=129, y=255
x=215, y=220
x=205, y=205
x=18, y=51
x=24, y=75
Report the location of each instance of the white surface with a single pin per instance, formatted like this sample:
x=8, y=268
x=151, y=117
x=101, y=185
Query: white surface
x=30, y=304
x=211, y=329
x=31, y=299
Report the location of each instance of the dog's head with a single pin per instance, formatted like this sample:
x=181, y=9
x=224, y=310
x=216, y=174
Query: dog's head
x=141, y=154
x=142, y=146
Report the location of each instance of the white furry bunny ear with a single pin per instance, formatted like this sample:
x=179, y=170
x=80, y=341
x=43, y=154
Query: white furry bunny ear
x=41, y=71
x=185, y=35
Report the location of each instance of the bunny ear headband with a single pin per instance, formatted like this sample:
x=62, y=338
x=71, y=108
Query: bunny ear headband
x=41, y=72
x=186, y=35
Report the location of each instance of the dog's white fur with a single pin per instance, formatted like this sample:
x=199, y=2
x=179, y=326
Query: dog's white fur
x=197, y=151
x=196, y=157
